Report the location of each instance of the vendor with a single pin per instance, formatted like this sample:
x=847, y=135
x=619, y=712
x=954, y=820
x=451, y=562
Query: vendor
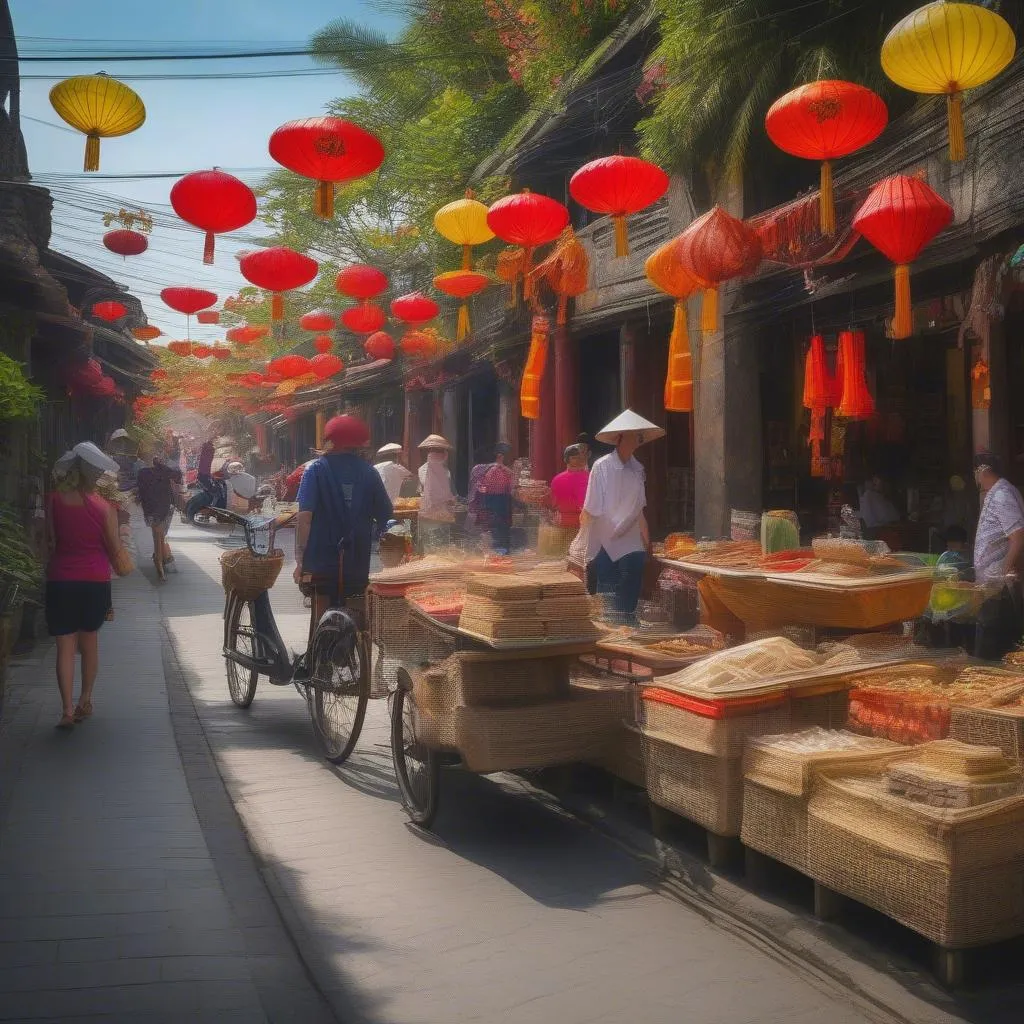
x=613, y=514
x=569, y=488
x=437, y=499
x=495, y=487
x=998, y=559
x=876, y=510
x=391, y=471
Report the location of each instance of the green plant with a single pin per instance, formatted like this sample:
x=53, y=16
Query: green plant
x=18, y=563
x=19, y=399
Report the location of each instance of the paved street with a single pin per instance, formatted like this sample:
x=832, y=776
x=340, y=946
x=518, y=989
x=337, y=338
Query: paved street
x=128, y=891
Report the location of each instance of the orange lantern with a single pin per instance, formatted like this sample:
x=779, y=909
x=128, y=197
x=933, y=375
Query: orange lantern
x=461, y=284
x=180, y=348
x=246, y=334
x=146, y=333
x=566, y=271
x=856, y=402
x=208, y=316
x=533, y=371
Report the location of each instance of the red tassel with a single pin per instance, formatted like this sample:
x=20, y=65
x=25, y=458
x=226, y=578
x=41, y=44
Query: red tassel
x=208, y=248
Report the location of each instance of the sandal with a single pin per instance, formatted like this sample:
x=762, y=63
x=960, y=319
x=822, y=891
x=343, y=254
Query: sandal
x=83, y=711
x=159, y=568
x=66, y=722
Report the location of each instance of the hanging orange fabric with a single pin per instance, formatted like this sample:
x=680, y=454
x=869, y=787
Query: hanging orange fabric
x=533, y=372
x=566, y=271
x=856, y=403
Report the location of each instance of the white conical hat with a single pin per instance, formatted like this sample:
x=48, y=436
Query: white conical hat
x=629, y=422
x=389, y=449
x=434, y=441
x=88, y=452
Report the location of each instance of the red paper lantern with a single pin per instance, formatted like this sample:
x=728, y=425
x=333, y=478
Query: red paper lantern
x=618, y=186
x=379, y=346
x=856, y=402
x=364, y=319
x=277, y=270
x=900, y=216
x=188, y=300
x=817, y=383
x=715, y=248
x=109, y=311
x=328, y=150
x=289, y=366
x=214, y=202
x=220, y=352
x=208, y=316
x=317, y=321
x=417, y=344
x=323, y=343
x=461, y=284
x=126, y=243
x=201, y=351
x=527, y=219
x=180, y=348
x=146, y=333
x=325, y=365
x=360, y=281
x=824, y=121
x=414, y=308
x=246, y=334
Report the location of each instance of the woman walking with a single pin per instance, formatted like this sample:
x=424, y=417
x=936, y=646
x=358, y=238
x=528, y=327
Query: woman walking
x=82, y=536
x=158, y=486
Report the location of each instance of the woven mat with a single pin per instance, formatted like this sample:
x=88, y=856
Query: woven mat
x=571, y=628
x=488, y=608
x=501, y=587
x=564, y=608
x=506, y=629
x=557, y=584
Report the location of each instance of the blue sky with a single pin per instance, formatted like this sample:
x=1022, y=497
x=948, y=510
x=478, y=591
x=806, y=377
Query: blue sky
x=190, y=124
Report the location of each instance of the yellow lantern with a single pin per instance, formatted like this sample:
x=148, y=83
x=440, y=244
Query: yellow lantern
x=101, y=107
x=464, y=222
x=944, y=48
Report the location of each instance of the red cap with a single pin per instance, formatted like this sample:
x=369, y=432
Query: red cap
x=347, y=432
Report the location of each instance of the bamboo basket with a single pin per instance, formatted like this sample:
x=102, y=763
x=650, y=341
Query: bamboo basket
x=247, y=575
x=990, y=727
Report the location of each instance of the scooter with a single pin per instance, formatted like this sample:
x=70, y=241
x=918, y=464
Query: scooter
x=212, y=494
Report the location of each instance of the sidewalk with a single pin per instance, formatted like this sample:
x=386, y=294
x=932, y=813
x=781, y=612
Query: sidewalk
x=127, y=890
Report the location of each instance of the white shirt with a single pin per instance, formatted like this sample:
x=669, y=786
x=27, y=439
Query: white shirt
x=1002, y=513
x=616, y=498
x=394, y=475
x=435, y=489
x=877, y=510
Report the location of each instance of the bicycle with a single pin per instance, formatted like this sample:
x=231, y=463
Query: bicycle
x=335, y=677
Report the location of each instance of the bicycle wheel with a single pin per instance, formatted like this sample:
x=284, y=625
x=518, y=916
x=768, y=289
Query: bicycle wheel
x=338, y=692
x=417, y=767
x=242, y=638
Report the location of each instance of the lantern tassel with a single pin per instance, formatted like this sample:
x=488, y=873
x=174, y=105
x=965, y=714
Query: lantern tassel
x=467, y=257
x=277, y=306
x=955, y=117
x=208, y=248
x=621, y=237
x=709, y=311
x=826, y=201
x=92, y=152
x=533, y=371
x=679, y=379
x=903, y=318
x=323, y=203
x=462, y=328
x=529, y=284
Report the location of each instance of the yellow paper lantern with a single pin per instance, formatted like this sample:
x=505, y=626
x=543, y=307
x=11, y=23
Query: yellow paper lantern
x=464, y=222
x=99, y=106
x=944, y=48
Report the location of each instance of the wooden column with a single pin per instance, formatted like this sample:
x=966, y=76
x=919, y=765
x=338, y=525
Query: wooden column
x=543, y=431
x=627, y=365
x=508, y=416
x=321, y=422
x=567, y=395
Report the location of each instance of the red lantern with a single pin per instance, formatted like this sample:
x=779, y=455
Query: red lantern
x=328, y=150
x=824, y=121
x=414, y=308
x=109, y=311
x=900, y=217
x=817, y=383
x=220, y=352
x=856, y=402
x=527, y=219
x=461, y=284
x=146, y=333
x=214, y=202
x=364, y=319
x=252, y=379
x=380, y=346
x=715, y=248
x=317, y=321
x=325, y=365
x=618, y=186
x=361, y=282
x=180, y=348
x=201, y=351
x=126, y=243
x=246, y=334
x=289, y=366
x=277, y=270
x=417, y=344
x=323, y=343
x=208, y=316
x=188, y=300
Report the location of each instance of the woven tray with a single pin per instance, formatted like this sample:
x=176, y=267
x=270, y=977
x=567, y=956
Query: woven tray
x=500, y=587
x=718, y=737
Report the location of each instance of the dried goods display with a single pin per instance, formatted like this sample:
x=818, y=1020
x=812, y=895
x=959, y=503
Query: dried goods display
x=948, y=773
x=856, y=552
x=730, y=554
x=440, y=601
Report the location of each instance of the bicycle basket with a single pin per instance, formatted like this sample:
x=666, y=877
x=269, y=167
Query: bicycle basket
x=249, y=575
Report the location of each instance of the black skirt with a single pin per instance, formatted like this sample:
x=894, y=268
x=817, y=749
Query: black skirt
x=76, y=606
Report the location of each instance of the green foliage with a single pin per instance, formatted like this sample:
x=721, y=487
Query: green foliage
x=18, y=563
x=19, y=400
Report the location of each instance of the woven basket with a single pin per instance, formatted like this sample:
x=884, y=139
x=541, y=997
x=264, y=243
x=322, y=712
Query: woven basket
x=389, y=622
x=775, y=824
x=248, y=575
x=990, y=728
x=624, y=757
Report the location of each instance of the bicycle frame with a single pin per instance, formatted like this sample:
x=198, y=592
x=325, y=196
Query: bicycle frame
x=272, y=658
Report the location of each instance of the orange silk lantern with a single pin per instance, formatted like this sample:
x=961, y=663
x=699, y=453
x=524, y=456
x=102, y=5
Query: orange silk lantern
x=533, y=371
x=317, y=321
x=146, y=333
x=618, y=186
x=278, y=269
x=379, y=346
x=325, y=365
x=323, y=343
x=823, y=121
x=208, y=316
x=461, y=284
x=364, y=319
x=527, y=220
x=566, y=271
x=856, y=402
x=215, y=202
x=715, y=248
x=110, y=311
x=900, y=216
x=246, y=334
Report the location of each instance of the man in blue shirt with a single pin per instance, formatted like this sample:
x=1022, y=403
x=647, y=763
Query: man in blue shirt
x=340, y=498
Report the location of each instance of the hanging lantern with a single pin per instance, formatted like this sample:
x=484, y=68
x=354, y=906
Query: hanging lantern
x=715, y=248
x=318, y=321
x=100, y=107
x=110, y=311
x=856, y=403
x=417, y=344
x=325, y=365
x=464, y=222
x=323, y=343
x=667, y=272
x=379, y=346
x=944, y=48
x=533, y=371
x=364, y=319
x=246, y=334
x=220, y=352
x=817, y=383
x=201, y=351
x=277, y=270
x=146, y=333
x=180, y=348
x=527, y=220
x=414, y=308
x=328, y=150
x=461, y=284
x=824, y=121
x=289, y=366
x=188, y=300
x=900, y=217
x=566, y=271
x=618, y=186
x=215, y=202
x=208, y=316
x=126, y=243
x=361, y=282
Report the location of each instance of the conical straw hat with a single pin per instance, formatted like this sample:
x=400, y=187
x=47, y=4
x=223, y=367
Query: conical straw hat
x=389, y=449
x=629, y=422
x=434, y=441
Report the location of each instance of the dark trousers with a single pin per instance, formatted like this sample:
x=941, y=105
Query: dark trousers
x=999, y=625
x=499, y=514
x=623, y=579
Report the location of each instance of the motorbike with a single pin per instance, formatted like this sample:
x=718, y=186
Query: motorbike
x=212, y=493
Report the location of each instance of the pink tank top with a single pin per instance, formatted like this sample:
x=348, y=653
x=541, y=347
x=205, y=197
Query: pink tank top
x=80, y=552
